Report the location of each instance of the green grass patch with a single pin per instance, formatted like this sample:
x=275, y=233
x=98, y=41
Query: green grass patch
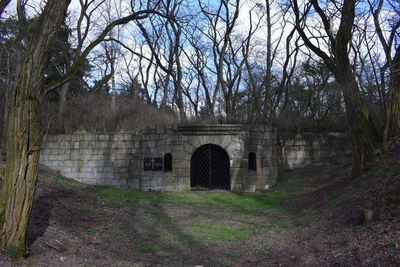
x=173, y=247
x=392, y=244
x=146, y=248
x=11, y=251
x=291, y=184
x=289, y=178
x=60, y=179
x=395, y=170
x=206, y=231
x=87, y=229
x=251, y=203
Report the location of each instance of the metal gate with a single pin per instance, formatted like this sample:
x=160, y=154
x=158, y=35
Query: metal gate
x=209, y=169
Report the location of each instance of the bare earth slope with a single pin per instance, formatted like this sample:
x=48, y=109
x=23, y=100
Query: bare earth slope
x=312, y=218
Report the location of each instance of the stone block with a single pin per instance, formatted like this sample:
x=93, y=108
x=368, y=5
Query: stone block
x=61, y=163
x=110, y=176
x=179, y=147
x=124, y=175
x=153, y=182
x=88, y=181
x=108, y=169
x=86, y=170
x=180, y=155
x=72, y=175
x=150, y=144
x=126, y=137
x=91, y=144
x=136, y=144
x=103, y=144
x=188, y=147
x=85, y=175
x=160, y=129
x=146, y=182
x=119, y=137
x=82, y=144
x=226, y=141
x=43, y=156
x=102, y=137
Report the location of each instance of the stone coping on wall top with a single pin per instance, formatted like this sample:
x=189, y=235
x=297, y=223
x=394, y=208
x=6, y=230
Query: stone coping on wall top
x=210, y=129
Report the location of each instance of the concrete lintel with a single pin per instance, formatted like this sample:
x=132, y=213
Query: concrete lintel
x=210, y=129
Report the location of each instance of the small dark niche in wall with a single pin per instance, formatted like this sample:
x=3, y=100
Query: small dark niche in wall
x=168, y=162
x=252, y=161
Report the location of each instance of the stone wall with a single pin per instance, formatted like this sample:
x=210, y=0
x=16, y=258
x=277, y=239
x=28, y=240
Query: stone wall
x=182, y=142
x=299, y=150
x=91, y=158
x=118, y=159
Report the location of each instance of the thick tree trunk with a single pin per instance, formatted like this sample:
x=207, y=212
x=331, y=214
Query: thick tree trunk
x=395, y=93
x=338, y=62
x=357, y=116
x=8, y=87
x=21, y=170
x=23, y=145
x=62, y=100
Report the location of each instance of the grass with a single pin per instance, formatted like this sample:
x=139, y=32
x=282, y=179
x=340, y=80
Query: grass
x=11, y=251
x=253, y=204
x=60, y=179
x=218, y=227
x=394, y=170
x=249, y=203
x=219, y=218
x=392, y=244
x=146, y=247
x=219, y=233
x=223, y=217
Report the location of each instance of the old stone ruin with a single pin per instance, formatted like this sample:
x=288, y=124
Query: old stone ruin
x=194, y=157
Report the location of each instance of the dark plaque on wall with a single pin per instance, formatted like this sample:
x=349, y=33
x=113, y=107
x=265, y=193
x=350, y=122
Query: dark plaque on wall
x=157, y=164
x=152, y=164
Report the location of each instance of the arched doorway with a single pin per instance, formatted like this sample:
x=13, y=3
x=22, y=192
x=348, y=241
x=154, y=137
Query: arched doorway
x=209, y=168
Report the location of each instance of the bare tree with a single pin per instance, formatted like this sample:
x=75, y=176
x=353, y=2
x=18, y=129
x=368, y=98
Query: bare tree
x=163, y=36
x=279, y=60
x=199, y=61
x=230, y=50
x=391, y=92
x=339, y=63
x=23, y=146
x=84, y=26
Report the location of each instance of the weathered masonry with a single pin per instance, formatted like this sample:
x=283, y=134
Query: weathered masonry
x=174, y=158
x=170, y=158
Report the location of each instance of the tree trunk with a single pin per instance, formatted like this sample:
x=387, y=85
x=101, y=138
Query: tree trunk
x=358, y=119
x=391, y=109
x=395, y=94
x=7, y=95
x=23, y=145
x=21, y=169
x=62, y=100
